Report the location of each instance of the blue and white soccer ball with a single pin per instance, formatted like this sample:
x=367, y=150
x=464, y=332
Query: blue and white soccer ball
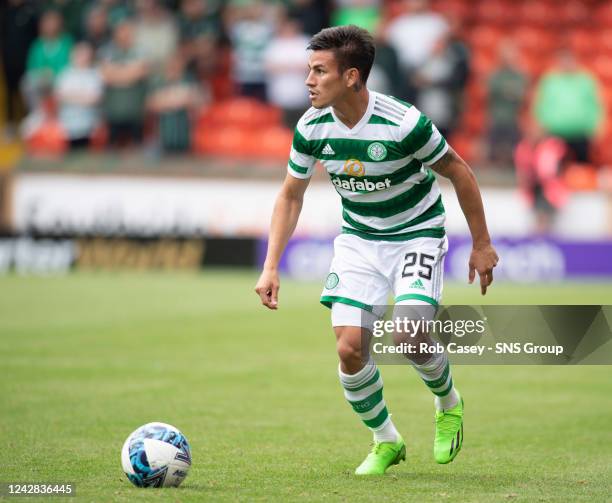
x=156, y=455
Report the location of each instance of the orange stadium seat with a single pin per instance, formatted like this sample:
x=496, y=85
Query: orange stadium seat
x=495, y=11
x=583, y=42
x=453, y=8
x=581, y=177
x=603, y=14
x=538, y=12
x=535, y=39
x=224, y=141
x=243, y=112
x=486, y=38
x=573, y=12
x=602, y=67
x=48, y=140
x=274, y=142
x=603, y=41
x=483, y=63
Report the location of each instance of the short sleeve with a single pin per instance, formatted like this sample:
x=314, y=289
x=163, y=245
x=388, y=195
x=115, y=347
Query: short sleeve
x=421, y=138
x=301, y=162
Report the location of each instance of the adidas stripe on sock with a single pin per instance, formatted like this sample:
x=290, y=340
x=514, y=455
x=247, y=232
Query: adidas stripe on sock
x=437, y=376
x=364, y=392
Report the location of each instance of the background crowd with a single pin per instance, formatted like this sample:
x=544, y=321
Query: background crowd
x=226, y=78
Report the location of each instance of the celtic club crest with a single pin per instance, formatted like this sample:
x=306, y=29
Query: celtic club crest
x=377, y=151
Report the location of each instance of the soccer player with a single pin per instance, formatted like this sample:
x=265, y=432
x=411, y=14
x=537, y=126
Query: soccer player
x=379, y=153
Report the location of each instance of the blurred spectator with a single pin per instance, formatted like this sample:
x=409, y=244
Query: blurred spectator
x=116, y=11
x=124, y=72
x=172, y=100
x=47, y=57
x=363, y=13
x=385, y=76
x=440, y=82
x=155, y=33
x=506, y=93
x=250, y=28
x=199, y=18
x=200, y=32
x=73, y=14
x=568, y=105
x=539, y=160
x=286, y=62
x=17, y=31
x=313, y=15
x=414, y=34
x=97, y=30
x=79, y=91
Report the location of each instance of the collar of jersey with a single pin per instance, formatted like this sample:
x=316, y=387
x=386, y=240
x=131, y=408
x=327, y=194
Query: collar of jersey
x=362, y=122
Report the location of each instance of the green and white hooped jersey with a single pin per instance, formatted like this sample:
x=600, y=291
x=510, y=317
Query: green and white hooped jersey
x=379, y=168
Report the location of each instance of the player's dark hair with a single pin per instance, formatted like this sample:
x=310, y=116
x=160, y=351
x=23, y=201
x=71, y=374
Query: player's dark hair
x=353, y=47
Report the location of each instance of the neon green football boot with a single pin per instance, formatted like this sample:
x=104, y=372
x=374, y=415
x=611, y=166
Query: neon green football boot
x=383, y=455
x=449, y=433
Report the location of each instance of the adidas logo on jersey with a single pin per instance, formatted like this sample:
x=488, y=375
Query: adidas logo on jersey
x=361, y=184
x=327, y=150
x=417, y=284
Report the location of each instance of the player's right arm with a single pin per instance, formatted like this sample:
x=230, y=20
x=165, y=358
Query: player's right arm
x=284, y=220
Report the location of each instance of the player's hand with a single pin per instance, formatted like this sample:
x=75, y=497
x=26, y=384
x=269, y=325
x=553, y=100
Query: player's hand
x=482, y=260
x=267, y=288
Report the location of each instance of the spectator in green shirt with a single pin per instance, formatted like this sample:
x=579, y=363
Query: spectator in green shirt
x=47, y=57
x=124, y=72
x=568, y=105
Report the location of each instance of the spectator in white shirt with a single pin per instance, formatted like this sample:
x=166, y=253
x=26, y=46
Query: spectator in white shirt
x=79, y=91
x=286, y=61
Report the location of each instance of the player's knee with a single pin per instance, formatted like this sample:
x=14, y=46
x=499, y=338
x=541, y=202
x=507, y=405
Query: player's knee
x=348, y=346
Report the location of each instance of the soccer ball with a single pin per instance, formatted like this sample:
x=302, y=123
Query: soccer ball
x=156, y=455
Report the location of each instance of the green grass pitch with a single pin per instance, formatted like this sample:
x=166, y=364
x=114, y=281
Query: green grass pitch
x=87, y=358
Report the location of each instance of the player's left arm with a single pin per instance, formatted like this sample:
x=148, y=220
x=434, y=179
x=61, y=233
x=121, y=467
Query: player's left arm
x=483, y=257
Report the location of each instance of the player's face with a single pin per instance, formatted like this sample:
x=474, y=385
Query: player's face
x=325, y=83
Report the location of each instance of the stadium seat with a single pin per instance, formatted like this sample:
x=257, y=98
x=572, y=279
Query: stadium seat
x=601, y=65
x=580, y=177
x=240, y=112
x=573, y=12
x=495, y=11
x=535, y=40
x=273, y=143
x=603, y=14
x=223, y=141
x=486, y=38
x=583, y=42
x=538, y=12
x=48, y=140
x=99, y=138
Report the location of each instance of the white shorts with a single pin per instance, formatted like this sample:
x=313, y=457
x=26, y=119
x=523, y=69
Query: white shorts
x=363, y=273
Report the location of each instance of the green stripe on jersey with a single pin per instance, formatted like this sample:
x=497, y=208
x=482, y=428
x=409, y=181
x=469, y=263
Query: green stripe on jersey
x=377, y=119
x=433, y=211
x=297, y=167
x=328, y=117
x=434, y=232
x=436, y=151
x=349, y=148
x=402, y=202
x=300, y=144
x=419, y=136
